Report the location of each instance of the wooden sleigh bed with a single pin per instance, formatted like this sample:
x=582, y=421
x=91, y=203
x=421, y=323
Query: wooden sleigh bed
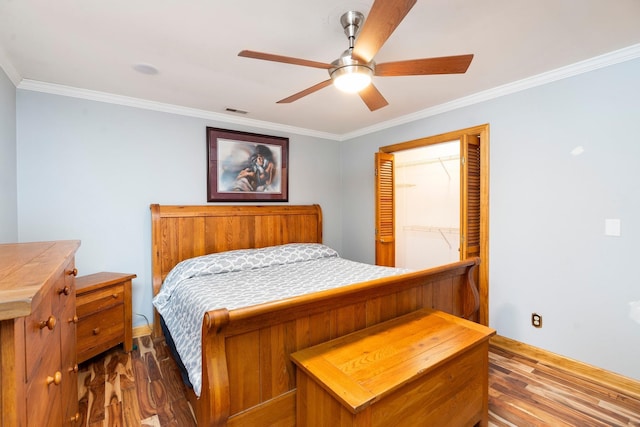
x=248, y=377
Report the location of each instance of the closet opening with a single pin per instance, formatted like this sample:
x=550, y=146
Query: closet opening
x=427, y=193
x=432, y=203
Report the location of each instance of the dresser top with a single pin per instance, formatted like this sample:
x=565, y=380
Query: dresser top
x=26, y=269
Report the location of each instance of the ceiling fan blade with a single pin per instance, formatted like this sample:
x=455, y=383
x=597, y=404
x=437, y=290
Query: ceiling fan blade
x=285, y=59
x=373, y=98
x=420, y=67
x=384, y=17
x=305, y=92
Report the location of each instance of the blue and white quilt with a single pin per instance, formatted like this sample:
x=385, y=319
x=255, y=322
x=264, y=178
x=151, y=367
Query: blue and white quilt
x=244, y=278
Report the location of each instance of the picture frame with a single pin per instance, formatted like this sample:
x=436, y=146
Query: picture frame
x=246, y=167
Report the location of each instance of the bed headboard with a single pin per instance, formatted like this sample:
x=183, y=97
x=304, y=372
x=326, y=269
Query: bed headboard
x=181, y=232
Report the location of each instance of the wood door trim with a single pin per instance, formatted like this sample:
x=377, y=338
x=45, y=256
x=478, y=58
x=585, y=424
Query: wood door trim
x=483, y=132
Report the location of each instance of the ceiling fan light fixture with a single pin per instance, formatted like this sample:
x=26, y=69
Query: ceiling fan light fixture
x=352, y=78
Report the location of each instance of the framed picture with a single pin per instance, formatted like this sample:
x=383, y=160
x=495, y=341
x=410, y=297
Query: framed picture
x=246, y=167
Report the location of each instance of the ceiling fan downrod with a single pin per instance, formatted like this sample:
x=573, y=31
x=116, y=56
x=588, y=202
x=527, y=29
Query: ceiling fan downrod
x=351, y=23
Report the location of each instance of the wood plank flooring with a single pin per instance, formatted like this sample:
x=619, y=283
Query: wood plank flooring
x=145, y=389
x=524, y=392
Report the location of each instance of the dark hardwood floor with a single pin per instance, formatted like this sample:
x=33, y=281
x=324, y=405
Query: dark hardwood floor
x=144, y=388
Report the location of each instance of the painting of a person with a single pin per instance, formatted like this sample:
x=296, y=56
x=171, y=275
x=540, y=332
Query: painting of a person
x=260, y=172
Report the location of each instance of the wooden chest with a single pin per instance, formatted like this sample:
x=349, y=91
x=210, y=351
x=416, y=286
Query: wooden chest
x=38, y=369
x=424, y=368
x=103, y=305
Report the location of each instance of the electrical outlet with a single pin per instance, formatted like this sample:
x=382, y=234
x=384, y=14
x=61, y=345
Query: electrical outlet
x=536, y=320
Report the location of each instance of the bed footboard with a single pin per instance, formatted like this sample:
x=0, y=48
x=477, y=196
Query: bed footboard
x=214, y=400
x=248, y=376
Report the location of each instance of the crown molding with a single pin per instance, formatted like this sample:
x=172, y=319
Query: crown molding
x=92, y=95
x=8, y=68
x=611, y=58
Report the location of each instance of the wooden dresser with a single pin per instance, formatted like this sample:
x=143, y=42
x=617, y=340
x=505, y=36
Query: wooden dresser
x=426, y=368
x=103, y=305
x=38, y=369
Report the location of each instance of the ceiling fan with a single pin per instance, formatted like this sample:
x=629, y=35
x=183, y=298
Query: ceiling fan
x=352, y=72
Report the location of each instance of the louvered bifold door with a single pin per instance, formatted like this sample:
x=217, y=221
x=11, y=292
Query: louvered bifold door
x=385, y=224
x=470, y=196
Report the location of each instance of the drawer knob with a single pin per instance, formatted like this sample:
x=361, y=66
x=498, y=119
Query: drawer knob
x=55, y=379
x=74, y=319
x=66, y=290
x=75, y=418
x=73, y=272
x=96, y=331
x=50, y=323
x=74, y=368
x=115, y=296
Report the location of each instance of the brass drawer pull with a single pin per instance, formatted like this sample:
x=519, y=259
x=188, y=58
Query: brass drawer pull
x=96, y=331
x=73, y=272
x=66, y=290
x=55, y=379
x=74, y=319
x=50, y=323
x=74, y=368
x=114, y=295
x=75, y=418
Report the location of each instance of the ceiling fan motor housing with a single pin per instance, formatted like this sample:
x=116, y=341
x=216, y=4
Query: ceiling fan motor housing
x=346, y=60
x=346, y=64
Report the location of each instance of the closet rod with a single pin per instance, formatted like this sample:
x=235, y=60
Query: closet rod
x=428, y=228
x=428, y=161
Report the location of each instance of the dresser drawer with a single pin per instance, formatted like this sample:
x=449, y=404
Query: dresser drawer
x=42, y=333
x=44, y=405
x=100, y=331
x=64, y=291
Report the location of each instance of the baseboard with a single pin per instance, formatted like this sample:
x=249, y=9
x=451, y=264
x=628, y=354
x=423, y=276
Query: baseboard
x=143, y=330
x=582, y=370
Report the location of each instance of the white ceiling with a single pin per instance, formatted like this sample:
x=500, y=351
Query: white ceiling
x=92, y=45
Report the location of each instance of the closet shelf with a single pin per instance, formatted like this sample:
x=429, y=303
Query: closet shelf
x=440, y=160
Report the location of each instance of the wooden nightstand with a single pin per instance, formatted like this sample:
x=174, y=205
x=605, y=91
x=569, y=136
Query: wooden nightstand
x=103, y=306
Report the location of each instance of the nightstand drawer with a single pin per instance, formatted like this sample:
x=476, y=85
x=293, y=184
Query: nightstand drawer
x=103, y=306
x=100, y=331
x=101, y=299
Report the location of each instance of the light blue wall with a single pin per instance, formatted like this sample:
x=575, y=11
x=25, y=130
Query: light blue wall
x=548, y=251
x=89, y=171
x=8, y=185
